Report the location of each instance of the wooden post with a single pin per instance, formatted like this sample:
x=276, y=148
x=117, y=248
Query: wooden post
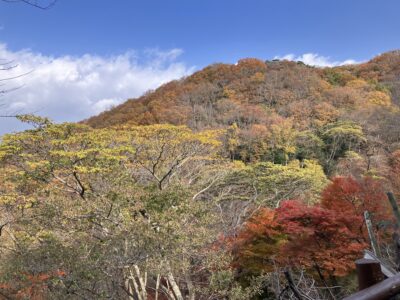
x=368, y=273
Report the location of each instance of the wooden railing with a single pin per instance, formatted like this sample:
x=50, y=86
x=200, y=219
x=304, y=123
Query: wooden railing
x=372, y=271
x=381, y=291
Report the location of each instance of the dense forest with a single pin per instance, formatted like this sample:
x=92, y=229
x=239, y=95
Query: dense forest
x=233, y=183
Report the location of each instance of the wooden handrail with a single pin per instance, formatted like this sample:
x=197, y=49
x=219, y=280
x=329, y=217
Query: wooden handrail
x=380, y=291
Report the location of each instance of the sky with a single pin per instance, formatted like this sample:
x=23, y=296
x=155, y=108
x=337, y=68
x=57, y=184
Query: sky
x=83, y=56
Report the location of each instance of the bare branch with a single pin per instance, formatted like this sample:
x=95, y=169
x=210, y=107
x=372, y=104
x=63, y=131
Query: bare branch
x=34, y=3
x=15, y=77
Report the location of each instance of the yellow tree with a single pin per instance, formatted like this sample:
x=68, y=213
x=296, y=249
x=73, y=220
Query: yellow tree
x=93, y=204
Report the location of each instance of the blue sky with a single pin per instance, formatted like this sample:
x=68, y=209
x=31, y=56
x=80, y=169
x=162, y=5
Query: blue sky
x=95, y=43
x=208, y=30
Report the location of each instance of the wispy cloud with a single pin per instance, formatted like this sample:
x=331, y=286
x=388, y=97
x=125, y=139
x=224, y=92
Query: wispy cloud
x=314, y=59
x=70, y=88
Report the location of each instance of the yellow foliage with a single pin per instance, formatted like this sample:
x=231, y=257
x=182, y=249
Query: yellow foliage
x=258, y=77
x=379, y=98
x=357, y=84
x=229, y=93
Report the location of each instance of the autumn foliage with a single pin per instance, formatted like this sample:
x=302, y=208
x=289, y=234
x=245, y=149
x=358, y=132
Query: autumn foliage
x=319, y=237
x=329, y=236
x=30, y=286
x=279, y=159
x=350, y=197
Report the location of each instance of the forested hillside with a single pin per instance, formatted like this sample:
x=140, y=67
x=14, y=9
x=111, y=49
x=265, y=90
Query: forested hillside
x=278, y=104
x=227, y=184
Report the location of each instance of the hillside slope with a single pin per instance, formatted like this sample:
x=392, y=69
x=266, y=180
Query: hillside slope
x=294, y=158
x=253, y=92
x=281, y=110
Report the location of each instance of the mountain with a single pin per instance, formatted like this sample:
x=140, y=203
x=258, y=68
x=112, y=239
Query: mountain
x=273, y=172
x=256, y=92
x=282, y=105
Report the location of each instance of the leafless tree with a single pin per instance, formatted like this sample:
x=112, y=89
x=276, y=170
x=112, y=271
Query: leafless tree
x=41, y=4
x=5, y=88
x=5, y=66
x=8, y=65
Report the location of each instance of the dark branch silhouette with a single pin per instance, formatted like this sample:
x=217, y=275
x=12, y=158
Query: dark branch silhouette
x=7, y=66
x=35, y=3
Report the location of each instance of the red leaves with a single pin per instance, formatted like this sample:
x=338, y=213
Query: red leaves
x=350, y=197
x=330, y=235
x=257, y=243
x=261, y=224
x=318, y=236
x=32, y=287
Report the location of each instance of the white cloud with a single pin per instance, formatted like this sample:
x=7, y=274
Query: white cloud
x=70, y=88
x=314, y=59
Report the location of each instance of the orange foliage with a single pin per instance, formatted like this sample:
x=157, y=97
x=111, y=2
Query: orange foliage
x=319, y=236
x=330, y=236
x=351, y=197
x=257, y=243
x=252, y=92
x=32, y=286
x=298, y=235
x=287, y=88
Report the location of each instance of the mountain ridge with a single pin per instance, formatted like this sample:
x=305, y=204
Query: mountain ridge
x=203, y=98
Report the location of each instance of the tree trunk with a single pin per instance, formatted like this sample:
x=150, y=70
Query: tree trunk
x=322, y=277
x=190, y=287
x=168, y=292
x=174, y=286
x=129, y=289
x=137, y=290
x=371, y=234
x=141, y=282
x=157, y=285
